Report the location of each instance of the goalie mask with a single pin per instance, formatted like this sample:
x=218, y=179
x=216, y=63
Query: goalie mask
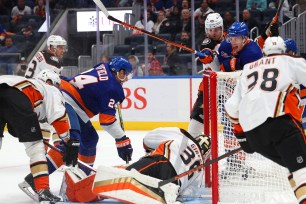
x=49, y=77
x=274, y=45
x=204, y=143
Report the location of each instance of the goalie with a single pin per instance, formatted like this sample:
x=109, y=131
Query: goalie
x=171, y=151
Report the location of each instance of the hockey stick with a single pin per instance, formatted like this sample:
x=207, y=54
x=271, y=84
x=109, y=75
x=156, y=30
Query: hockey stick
x=120, y=116
x=104, y=10
x=275, y=18
x=164, y=182
x=122, y=125
x=61, y=152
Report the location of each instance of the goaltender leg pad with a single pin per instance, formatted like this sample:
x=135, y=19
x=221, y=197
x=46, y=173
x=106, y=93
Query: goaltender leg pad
x=132, y=186
x=79, y=186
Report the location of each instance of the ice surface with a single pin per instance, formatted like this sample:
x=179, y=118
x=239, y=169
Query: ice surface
x=14, y=166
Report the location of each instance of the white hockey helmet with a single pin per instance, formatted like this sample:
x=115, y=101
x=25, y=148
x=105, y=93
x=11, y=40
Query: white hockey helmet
x=274, y=45
x=56, y=40
x=213, y=20
x=49, y=77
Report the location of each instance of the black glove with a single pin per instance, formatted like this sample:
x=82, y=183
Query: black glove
x=124, y=148
x=241, y=138
x=274, y=30
x=71, y=152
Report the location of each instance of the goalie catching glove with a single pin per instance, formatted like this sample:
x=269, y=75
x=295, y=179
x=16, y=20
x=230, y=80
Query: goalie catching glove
x=124, y=148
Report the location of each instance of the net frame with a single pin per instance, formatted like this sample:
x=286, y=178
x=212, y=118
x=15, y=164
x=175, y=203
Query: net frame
x=253, y=189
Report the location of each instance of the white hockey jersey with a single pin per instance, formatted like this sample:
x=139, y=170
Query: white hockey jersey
x=47, y=101
x=183, y=153
x=268, y=87
x=41, y=61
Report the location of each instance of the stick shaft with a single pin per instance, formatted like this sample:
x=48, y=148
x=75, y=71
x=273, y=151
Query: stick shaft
x=164, y=182
x=61, y=152
x=275, y=18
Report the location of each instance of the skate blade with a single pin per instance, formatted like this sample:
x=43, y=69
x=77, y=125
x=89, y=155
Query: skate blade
x=26, y=188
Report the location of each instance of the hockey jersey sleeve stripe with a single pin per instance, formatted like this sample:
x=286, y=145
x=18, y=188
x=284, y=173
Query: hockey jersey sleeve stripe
x=232, y=119
x=61, y=125
x=164, y=149
x=106, y=119
x=289, y=103
x=73, y=93
x=31, y=92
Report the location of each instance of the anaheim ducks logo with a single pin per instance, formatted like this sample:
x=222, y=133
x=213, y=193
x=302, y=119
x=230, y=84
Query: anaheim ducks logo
x=54, y=58
x=206, y=41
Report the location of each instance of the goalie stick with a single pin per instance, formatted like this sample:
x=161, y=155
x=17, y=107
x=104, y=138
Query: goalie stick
x=104, y=10
x=164, y=182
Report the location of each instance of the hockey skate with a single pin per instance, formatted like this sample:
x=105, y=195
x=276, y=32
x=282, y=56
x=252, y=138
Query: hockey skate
x=46, y=197
x=28, y=187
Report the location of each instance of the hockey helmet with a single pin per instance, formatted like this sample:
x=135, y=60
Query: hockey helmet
x=49, y=77
x=204, y=143
x=213, y=20
x=274, y=45
x=56, y=40
x=118, y=63
x=238, y=29
x=290, y=45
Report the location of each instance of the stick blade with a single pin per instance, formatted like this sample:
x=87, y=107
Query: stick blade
x=101, y=7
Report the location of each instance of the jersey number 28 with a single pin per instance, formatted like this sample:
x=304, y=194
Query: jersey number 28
x=268, y=79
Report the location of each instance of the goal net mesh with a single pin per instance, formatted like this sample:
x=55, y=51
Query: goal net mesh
x=241, y=177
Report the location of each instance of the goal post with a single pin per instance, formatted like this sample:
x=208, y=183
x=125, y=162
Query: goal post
x=240, y=178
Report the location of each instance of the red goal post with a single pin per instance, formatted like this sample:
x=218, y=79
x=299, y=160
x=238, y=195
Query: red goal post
x=240, y=178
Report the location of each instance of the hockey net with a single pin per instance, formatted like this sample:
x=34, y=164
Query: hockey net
x=240, y=178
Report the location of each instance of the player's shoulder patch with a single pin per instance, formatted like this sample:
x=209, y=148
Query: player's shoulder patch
x=51, y=59
x=206, y=41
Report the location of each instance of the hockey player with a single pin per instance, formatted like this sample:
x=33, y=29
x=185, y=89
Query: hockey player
x=266, y=113
x=97, y=91
x=237, y=50
x=209, y=47
x=24, y=102
x=171, y=151
x=174, y=151
x=48, y=59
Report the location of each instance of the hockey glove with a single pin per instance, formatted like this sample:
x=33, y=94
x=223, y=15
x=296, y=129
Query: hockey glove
x=231, y=65
x=241, y=138
x=124, y=148
x=71, y=153
x=274, y=30
x=207, y=57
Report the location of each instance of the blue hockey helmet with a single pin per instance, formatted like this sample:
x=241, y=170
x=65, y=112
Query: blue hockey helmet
x=290, y=45
x=238, y=29
x=117, y=63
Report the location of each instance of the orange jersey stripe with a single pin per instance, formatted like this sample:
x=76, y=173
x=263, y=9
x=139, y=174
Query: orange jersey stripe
x=87, y=159
x=154, y=163
x=61, y=126
x=163, y=149
x=31, y=92
x=71, y=90
x=106, y=119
